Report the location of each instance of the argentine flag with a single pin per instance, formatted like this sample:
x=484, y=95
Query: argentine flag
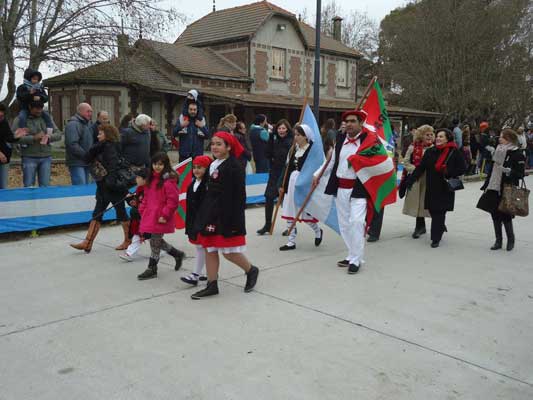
x=321, y=206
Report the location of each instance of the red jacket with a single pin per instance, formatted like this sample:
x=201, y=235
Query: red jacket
x=159, y=202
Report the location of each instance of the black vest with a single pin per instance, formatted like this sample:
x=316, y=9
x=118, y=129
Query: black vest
x=359, y=191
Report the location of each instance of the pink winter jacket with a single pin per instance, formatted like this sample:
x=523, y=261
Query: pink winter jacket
x=159, y=202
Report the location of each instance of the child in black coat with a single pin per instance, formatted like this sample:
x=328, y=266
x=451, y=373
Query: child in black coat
x=195, y=195
x=32, y=91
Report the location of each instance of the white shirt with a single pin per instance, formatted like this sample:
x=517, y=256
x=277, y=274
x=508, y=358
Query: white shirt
x=196, y=185
x=214, y=165
x=345, y=170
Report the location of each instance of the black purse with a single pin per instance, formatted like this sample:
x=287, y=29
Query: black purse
x=122, y=178
x=97, y=171
x=454, y=184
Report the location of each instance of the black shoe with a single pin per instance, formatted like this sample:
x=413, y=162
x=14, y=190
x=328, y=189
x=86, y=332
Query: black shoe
x=497, y=245
x=372, y=239
x=202, y=278
x=287, y=247
x=434, y=245
x=418, y=232
x=150, y=272
x=191, y=279
x=251, y=279
x=510, y=244
x=319, y=240
x=210, y=290
x=263, y=230
x=343, y=263
x=178, y=256
x=286, y=232
x=353, y=269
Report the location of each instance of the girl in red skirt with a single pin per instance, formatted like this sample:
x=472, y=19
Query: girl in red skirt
x=195, y=195
x=220, y=222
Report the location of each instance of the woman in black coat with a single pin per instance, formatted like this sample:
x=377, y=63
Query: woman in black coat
x=508, y=168
x=441, y=162
x=277, y=150
x=107, y=152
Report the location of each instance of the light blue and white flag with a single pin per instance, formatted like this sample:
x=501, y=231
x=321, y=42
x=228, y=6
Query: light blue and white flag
x=320, y=205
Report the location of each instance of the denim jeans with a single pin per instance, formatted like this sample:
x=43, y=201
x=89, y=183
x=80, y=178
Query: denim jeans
x=4, y=175
x=79, y=175
x=40, y=166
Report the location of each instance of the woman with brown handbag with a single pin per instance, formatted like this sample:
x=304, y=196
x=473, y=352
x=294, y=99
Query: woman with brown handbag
x=508, y=168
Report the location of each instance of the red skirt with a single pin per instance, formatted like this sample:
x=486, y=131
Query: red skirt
x=220, y=241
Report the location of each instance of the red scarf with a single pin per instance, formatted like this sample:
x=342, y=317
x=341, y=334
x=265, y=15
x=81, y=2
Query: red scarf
x=418, y=153
x=440, y=166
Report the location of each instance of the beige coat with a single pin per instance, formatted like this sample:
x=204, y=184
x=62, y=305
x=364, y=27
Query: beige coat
x=413, y=204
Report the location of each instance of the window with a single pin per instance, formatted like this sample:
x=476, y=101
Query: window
x=65, y=110
x=278, y=63
x=342, y=73
x=104, y=103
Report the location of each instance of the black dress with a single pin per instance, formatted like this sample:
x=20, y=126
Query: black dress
x=221, y=212
x=109, y=155
x=194, y=199
x=490, y=200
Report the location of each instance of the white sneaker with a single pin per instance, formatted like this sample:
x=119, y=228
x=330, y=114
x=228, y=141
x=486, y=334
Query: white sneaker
x=126, y=257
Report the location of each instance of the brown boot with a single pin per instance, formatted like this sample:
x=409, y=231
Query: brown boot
x=127, y=241
x=87, y=244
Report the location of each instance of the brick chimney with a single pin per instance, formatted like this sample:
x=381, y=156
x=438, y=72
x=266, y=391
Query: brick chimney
x=337, y=28
x=123, y=44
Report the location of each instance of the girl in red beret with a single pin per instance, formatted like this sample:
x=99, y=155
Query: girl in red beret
x=195, y=195
x=220, y=222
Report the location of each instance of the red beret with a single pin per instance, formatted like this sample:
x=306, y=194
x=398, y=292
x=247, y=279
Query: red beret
x=483, y=126
x=360, y=114
x=202, y=161
x=236, y=147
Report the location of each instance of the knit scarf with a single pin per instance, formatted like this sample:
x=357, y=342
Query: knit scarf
x=445, y=149
x=418, y=153
x=495, y=182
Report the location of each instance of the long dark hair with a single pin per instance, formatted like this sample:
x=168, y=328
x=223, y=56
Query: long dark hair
x=167, y=172
x=125, y=121
x=155, y=145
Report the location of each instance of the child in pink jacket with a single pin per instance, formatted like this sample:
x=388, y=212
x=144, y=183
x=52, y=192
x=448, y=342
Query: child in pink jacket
x=158, y=209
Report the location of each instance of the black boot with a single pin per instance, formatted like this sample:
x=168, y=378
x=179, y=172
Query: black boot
x=210, y=290
x=178, y=256
x=269, y=210
x=251, y=279
x=150, y=272
x=508, y=225
x=498, y=232
x=420, y=227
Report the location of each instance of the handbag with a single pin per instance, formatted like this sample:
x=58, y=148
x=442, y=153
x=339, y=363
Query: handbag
x=97, y=171
x=515, y=200
x=122, y=178
x=454, y=184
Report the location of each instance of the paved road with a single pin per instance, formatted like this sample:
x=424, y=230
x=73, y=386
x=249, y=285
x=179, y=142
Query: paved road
x=415, y=323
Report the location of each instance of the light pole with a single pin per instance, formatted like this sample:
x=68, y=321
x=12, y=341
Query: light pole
x=316, y=89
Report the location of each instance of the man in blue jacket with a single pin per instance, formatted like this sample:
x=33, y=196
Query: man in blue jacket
x=191, y=134
x=78, y=141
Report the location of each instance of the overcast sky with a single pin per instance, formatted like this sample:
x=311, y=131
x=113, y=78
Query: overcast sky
x=377, y=9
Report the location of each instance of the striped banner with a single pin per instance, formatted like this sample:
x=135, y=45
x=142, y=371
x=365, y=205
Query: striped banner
x=30, y=209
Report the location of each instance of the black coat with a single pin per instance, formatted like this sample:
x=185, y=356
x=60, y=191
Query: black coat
x=109, y=155
x=224, y=202
x=194, y=200
x=23, y=91
x=359, y=191
x=439, y=198
x=295, y=164
x=6, y=136
x=276, y=152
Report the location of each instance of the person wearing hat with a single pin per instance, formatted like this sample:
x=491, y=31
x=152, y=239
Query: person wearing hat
x=220, y=221
x=195, y=195
x=486, y=148
x=350, y=194
x=36, y=146
x=508, y=169
x=30, y=91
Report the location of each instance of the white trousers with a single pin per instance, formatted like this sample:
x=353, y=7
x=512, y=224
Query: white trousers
x=135, y=245
x=352, y=221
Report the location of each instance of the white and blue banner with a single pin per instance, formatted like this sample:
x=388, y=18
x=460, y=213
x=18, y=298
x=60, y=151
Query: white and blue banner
x=30, y=209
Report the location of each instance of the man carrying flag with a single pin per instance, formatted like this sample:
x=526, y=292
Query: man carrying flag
x=360, y=176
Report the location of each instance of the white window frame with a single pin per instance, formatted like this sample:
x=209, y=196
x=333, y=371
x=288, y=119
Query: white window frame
x=279, y=67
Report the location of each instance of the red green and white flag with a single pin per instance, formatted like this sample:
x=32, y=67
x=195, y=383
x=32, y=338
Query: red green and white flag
x=184, y=170
x=378, y=118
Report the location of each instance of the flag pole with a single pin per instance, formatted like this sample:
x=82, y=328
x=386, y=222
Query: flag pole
x=308, y=197
x=281, y=196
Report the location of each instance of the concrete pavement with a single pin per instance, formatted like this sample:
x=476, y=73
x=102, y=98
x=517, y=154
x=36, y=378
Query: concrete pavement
x=415, y=323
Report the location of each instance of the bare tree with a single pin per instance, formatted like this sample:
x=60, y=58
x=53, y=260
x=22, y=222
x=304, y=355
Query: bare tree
x=73, y=32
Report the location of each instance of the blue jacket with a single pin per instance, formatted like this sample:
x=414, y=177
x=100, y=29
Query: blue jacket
x=259, y=137
x=78, y=140
x=191, y=138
